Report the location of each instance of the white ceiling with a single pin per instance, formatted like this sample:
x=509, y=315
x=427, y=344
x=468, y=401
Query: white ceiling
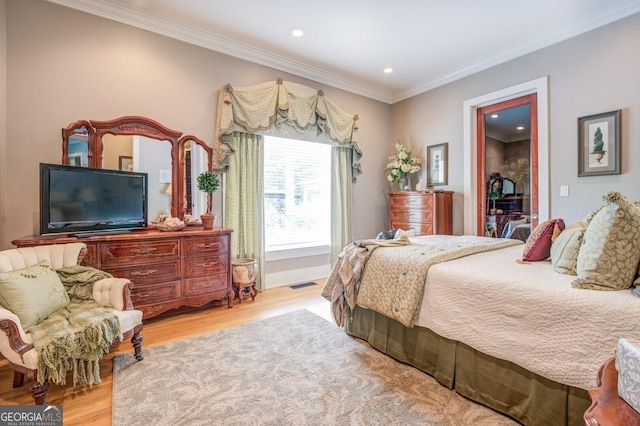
x=347, y=43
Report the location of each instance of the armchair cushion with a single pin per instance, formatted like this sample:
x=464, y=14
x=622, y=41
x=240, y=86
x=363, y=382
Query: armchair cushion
x=33, y=293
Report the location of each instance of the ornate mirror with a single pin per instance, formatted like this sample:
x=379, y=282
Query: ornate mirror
x=508, y=187
x=195, y=158
x=79, y=143
x=141, y=144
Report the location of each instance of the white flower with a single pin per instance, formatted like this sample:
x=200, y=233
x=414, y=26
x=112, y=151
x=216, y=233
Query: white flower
x=402, y=163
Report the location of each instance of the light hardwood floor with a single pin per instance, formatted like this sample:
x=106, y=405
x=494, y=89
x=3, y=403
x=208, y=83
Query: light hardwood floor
x=93, y=406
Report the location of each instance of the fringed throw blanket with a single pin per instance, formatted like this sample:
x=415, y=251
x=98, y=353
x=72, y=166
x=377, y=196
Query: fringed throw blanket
x=341, y=288
x=76, y=337
x=392, y=283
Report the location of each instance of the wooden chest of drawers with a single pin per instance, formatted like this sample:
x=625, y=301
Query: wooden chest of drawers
x=190, y=267
x=425, y=213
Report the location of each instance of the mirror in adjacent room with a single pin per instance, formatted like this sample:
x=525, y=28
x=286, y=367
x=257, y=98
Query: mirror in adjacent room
x=507, y=166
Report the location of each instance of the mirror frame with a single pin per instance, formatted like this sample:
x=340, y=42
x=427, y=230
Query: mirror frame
x=182, y=168
x=74, y=129
x=141, y=126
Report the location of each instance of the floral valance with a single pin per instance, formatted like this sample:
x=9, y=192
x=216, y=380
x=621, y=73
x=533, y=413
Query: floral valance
x=259, y=108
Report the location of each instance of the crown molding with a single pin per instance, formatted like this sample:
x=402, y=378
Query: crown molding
x=167, y=27
x=128, y=15
x=612, y=12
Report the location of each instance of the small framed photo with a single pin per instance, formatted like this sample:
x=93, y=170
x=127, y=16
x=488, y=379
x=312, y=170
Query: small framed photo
x=437, y=164
x=126, y=163
x=599, y=144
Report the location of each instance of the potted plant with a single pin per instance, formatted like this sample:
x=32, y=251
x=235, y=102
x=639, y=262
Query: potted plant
x=493, y=196
x=208, y=182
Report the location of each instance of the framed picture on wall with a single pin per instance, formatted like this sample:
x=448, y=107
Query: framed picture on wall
x=599, y=144
x=126, y=163
x=437, y=164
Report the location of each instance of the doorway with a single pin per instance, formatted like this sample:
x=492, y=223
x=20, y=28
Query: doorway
x=507, y=164
x=540, y=87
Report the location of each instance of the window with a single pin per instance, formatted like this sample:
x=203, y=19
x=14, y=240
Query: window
x=297, y=194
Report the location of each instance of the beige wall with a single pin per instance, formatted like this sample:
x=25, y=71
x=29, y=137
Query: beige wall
x=3, y=126
x=589, y=74
x=64, y=65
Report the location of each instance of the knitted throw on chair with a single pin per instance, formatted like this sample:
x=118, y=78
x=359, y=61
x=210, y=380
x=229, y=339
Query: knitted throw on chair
x=76, y=337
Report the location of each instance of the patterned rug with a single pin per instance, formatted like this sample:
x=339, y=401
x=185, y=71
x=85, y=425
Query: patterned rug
x=293, y=369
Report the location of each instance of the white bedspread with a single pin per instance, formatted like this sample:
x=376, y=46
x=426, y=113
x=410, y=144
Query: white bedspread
x=528, y=314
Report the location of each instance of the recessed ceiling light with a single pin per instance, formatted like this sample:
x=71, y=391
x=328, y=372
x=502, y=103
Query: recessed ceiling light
x=388, y=70
x=520, y=127
x=297, y=32
x=494, y=116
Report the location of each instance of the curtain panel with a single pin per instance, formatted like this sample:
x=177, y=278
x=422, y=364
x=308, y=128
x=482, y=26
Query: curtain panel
x=244, y=195
x=256, y=109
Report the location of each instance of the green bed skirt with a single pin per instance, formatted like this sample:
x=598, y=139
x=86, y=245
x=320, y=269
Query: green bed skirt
x=501, y=385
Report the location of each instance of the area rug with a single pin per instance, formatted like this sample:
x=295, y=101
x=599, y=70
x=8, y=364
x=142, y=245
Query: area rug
x=293, y=369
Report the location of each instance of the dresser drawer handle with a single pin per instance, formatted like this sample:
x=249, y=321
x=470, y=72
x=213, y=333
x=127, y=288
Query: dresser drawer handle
x=143, y=250
x=411, y=201
x=206, y=245
x=412, y=214
x=207, y=284
x=206, y=265
x=145, y=295
x=144, y=273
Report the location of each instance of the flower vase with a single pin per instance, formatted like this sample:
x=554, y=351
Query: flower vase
x=404, y=183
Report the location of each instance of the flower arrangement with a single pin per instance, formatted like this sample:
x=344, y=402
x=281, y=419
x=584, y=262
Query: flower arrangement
x=401, y=164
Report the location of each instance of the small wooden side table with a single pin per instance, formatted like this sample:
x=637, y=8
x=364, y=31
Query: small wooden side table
x=607, y=408
x=245, y=289
x=244, y=273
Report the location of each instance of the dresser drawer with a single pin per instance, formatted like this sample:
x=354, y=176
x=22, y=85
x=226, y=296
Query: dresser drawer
x=406, y=202
x=417, y=228
x=128, y=253
x=154, y=293
x=205, y=265
x=205, y=245
x=149, y=272
x=205, y=285
x=91, y=256
x=417, y=215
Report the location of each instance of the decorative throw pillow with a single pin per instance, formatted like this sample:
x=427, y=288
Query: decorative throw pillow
x=538, y=246
x=564, y=250
x=610, y=250
x=33, y=293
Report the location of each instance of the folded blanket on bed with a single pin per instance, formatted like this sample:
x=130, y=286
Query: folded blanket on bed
x=341, y=288
x=392, y=283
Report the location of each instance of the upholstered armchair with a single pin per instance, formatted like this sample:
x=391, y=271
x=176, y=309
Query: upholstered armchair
x=16, y=344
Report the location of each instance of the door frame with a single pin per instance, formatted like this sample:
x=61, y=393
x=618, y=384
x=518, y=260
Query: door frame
x=481, y=142
x=470, y=133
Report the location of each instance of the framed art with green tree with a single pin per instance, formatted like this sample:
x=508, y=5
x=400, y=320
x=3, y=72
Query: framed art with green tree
x=599, y=144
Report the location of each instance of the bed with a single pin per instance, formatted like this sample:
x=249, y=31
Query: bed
x=515, y=336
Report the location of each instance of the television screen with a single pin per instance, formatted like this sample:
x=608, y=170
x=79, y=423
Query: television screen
x=81, y=199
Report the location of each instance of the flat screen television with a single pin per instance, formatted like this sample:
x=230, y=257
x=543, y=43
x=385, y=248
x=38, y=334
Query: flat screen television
x=86, y=201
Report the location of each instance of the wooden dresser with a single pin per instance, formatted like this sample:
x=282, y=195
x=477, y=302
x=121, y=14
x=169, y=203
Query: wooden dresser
x=190, y=267
x=425, y=213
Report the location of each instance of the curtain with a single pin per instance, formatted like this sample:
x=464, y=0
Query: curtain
x=244, y=196
x=340, y=200
x=260, y=108
x=276, y=108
